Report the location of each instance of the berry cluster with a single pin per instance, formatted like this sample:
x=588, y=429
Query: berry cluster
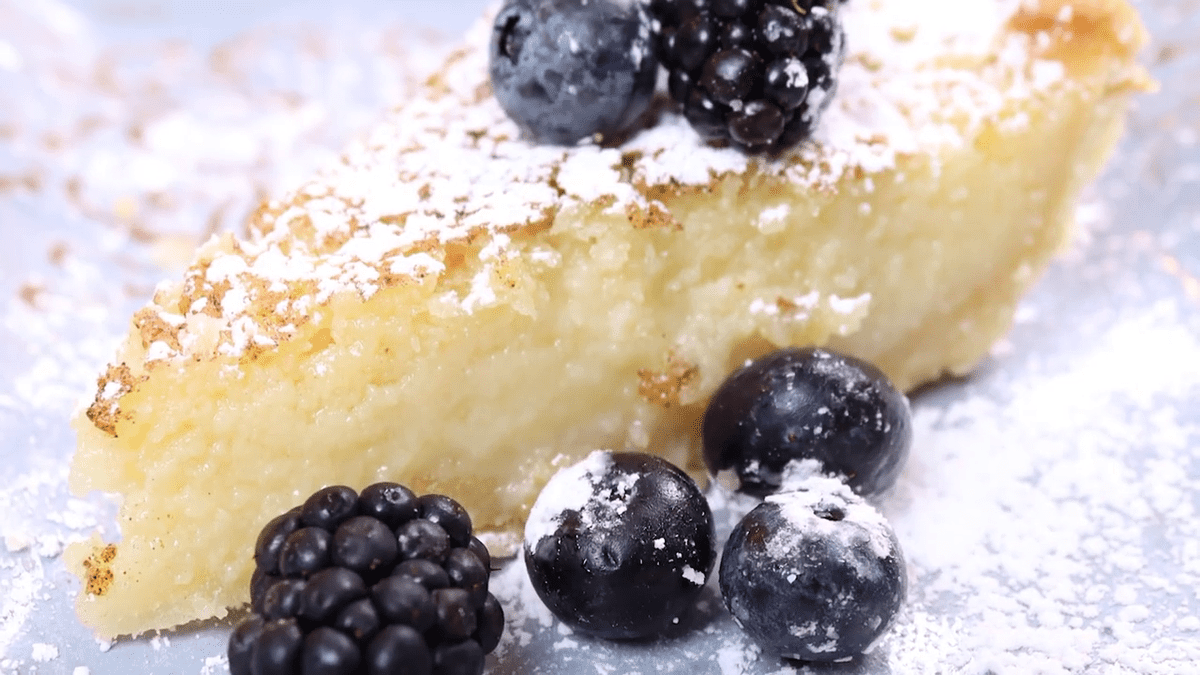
x=756, y=73
x=814, y=572
x=373, y=583
x=620, y=544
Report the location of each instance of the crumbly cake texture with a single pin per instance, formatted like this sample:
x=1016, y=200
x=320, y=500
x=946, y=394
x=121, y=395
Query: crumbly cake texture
x=462, y=311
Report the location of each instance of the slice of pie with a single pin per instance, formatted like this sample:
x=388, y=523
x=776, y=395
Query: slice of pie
x=457, y=309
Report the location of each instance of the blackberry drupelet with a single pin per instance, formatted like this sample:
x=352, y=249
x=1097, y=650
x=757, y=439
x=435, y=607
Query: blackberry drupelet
x=755, y=73
x=372, y=583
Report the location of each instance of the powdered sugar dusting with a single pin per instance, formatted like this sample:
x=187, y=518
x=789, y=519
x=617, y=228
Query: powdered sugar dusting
x=1047, y=531
x=806, y=504
x=571, y=489
x=450, y=166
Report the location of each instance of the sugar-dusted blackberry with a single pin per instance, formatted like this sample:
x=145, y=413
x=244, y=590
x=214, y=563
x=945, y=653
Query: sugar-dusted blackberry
x=566, y=70
x=814, y=574
x=619, y=545
x=754, y=73
x=379, y=582
x=801, y=404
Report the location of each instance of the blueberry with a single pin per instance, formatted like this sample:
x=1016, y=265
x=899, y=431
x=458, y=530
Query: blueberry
x=807, y=404
x=565, y=70
x=619, y=545
x=815, y=575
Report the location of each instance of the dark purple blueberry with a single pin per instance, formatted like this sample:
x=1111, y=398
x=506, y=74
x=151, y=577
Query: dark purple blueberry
x=814, y=575
x=284, y=599
x=241, y=644
x=807, y=404
x=365, y=545
x=359, y=620
x=402, y=600
x=466, y=572
x=619, y=545
x=392, y=503
x=425, y=572
x=329, y=507
x=270, y=541
x=277, y=650
x=448, y=514
x=329, y=591
x=399, y=649
x=490, y=624
x=566, y=70
x=421, y=538
x=329, y=652
x=458, y=658
x=305, y=551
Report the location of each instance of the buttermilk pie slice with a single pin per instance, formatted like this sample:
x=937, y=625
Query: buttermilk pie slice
x=461, y=310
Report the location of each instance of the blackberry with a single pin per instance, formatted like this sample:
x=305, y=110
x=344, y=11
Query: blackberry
x=797, y=405
x=754, y=73
x=620, y=545
x=373, y=583
x=815, y=574
x=566, y=70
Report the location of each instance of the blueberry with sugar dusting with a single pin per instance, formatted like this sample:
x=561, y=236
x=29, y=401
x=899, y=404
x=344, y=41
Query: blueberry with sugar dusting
x=565, y=70
x=807, y=404
x=755, y=73
x=620, y=544
x=815, y=574
x=373, y=583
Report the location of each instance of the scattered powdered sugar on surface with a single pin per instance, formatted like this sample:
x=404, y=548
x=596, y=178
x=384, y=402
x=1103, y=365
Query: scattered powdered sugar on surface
x=1049, y=509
